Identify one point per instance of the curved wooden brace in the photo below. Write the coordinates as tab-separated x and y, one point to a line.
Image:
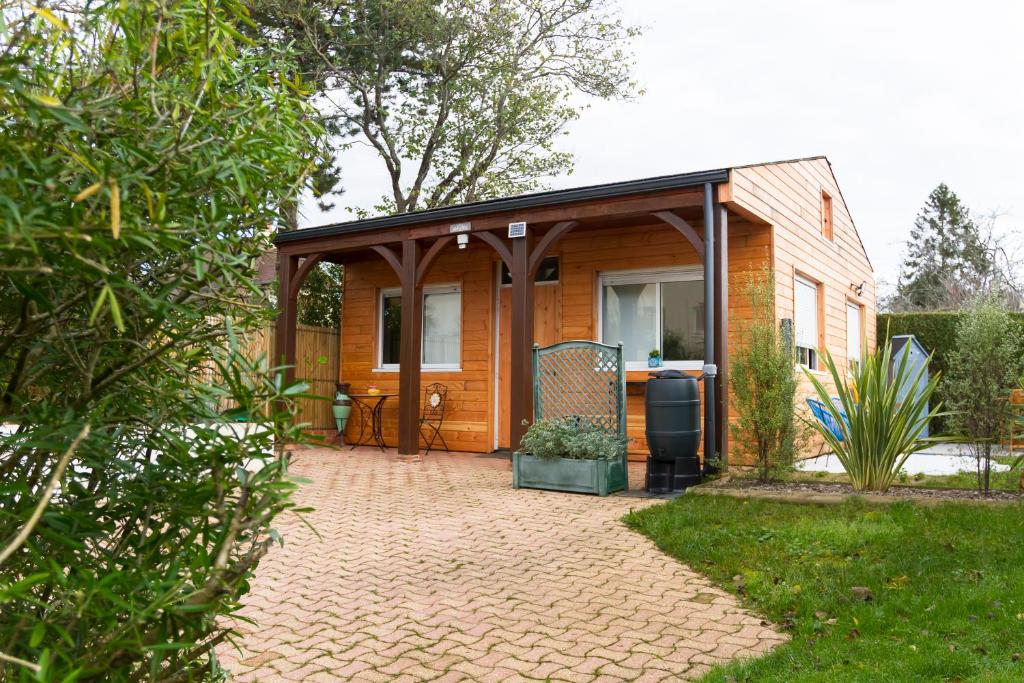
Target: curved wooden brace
685	228
550	239
498	245
300	275
430	255
391	257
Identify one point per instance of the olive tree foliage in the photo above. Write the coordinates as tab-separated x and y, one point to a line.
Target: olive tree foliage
145	148
984	368
461	100
763	381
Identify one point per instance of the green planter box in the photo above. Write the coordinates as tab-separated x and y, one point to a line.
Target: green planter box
563	474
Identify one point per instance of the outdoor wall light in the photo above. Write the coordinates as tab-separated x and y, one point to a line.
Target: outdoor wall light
463	239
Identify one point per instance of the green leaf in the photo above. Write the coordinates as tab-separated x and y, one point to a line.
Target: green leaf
50	17
38	632
97	307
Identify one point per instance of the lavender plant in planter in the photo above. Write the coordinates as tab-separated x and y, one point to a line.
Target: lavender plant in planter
564	454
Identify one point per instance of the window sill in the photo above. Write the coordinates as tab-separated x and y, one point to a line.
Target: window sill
422	369
633	366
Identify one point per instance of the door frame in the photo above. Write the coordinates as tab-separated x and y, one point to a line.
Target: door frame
498	287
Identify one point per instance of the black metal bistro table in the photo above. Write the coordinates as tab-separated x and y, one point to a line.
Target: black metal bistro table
370	407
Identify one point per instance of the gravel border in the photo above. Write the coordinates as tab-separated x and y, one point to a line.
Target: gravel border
813	492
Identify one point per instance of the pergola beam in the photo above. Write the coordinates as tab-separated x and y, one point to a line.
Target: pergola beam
635	206
303	271
685	229
287	316
547	242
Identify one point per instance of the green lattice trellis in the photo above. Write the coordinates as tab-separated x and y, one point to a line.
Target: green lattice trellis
584	380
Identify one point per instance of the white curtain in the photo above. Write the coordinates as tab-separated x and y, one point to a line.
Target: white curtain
630	315
806	322
442	328
853	333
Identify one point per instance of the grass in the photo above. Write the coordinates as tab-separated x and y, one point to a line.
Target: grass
947	585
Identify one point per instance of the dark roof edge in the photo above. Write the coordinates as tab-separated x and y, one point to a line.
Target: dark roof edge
526	201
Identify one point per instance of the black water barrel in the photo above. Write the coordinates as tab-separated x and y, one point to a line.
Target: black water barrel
673	431
673	416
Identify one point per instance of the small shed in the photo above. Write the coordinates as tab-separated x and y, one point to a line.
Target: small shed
917	356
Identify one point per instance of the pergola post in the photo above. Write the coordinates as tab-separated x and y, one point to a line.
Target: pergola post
410	351
521	343
710	370
722	320
287	316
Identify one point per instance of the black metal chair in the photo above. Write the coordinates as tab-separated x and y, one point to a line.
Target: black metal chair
435	399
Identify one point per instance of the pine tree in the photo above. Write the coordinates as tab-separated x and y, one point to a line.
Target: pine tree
945	254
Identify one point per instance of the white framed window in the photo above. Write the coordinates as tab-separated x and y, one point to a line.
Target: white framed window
854	333
442	328
654	309
807	323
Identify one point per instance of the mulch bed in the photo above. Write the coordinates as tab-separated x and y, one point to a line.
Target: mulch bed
798	489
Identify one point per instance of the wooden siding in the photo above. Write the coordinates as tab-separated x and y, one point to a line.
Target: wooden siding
788	195
563	311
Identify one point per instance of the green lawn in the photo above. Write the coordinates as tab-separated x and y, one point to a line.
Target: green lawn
947	584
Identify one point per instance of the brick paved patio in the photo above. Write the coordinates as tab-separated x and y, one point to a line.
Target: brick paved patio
439	570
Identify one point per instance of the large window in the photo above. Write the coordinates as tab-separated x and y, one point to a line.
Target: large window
442	328
854	335
807	323
650	310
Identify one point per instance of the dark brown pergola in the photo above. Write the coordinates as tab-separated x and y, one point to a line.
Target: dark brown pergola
411	242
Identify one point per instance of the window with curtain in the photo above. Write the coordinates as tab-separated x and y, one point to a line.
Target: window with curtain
650	310
442	328
854	335
806	322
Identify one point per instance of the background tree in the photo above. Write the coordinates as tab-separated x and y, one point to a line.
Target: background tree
984	368
763	381
946	255
320	297
462	100
144	149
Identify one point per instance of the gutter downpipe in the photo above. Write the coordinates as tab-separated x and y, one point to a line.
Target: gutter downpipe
710	369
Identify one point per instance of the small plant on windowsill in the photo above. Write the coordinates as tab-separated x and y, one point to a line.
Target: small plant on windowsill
654	359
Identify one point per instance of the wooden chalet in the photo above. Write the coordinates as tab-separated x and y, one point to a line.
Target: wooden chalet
447	295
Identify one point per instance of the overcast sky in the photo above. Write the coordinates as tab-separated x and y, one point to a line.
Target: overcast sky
899	94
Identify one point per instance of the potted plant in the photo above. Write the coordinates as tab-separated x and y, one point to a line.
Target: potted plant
654	359
564	454
342	408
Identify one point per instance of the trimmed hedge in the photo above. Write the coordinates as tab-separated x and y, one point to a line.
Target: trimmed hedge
936	332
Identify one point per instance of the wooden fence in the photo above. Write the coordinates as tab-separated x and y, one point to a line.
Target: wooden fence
316	363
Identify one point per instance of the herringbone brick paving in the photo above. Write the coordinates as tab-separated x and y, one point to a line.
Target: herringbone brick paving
439	570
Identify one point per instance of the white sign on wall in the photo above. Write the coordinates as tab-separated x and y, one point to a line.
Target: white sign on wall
460	227
517	229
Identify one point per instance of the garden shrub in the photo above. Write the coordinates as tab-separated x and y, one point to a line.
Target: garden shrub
985	367
937	332
144	151
879	429
763	381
